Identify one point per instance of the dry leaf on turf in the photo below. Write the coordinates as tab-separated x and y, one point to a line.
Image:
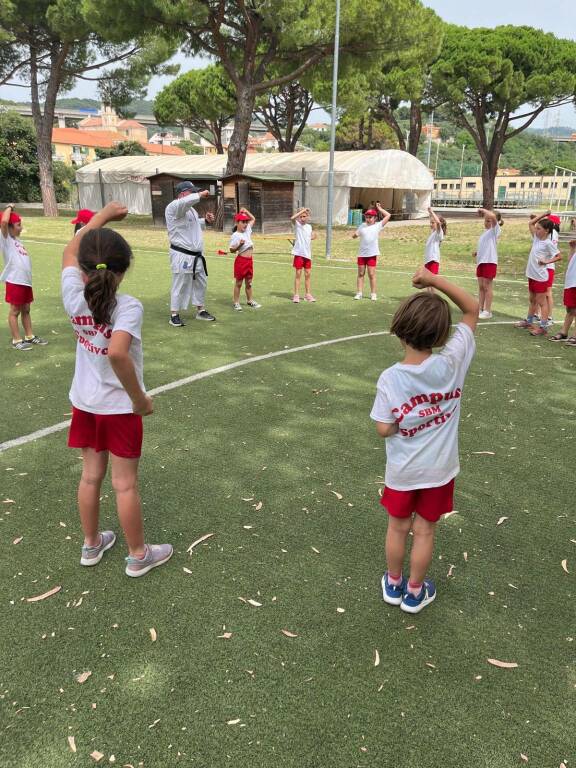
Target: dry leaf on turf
450	571
338	495
287	633
315	550
376	657
226	635
153	634
96	755
18	540
465	556
501	520
255	603
83	676
199	541
564	565
483	453
524	757
233	722
502	664
50	592
258	506
340	610
186	570
72	743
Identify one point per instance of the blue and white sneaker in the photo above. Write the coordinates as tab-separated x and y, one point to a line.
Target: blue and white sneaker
414	603
392	593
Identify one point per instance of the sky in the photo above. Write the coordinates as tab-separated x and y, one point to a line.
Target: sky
556	16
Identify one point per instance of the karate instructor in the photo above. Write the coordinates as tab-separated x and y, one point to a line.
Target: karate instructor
189	272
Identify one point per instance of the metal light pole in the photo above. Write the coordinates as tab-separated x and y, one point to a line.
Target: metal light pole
461	169
330	207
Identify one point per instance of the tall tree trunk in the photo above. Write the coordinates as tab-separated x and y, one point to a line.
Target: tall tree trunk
239	140
415	127
490	168
386	113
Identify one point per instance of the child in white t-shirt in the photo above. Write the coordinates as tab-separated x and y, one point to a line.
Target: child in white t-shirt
241	244
417	409
432	250
17	274
107	394
487	260
369	250
569	299
302	252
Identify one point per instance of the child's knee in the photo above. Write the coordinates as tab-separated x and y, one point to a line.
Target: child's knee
14	310
124	483
307	272
94	477
361	271
25	309
423	527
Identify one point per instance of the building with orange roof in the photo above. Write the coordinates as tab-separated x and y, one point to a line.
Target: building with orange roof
78	147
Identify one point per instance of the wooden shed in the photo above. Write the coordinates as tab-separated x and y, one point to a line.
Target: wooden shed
269	198
163	191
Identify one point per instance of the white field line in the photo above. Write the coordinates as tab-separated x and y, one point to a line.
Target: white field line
18	441
351	268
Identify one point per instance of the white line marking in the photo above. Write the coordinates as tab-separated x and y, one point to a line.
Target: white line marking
18	441
352	268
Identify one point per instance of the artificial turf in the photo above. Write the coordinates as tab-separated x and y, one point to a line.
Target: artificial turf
279	460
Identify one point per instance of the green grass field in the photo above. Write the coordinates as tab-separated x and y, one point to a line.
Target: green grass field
279	460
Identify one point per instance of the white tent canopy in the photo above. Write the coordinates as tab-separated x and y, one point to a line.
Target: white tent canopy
399	180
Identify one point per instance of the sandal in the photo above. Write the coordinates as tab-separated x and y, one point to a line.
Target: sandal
571	341
558	337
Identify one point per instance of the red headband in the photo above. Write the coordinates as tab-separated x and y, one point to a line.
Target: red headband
371	212
14	218
241	217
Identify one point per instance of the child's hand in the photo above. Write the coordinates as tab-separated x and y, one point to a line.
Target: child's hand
204	193
114	211
209	217
474	254
422	278
241	243
143	406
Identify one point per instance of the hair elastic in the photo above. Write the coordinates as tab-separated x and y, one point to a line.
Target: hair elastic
101	266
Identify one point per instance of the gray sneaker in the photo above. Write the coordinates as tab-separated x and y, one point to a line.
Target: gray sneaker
204	315
36	340
156	554
93	555
21	346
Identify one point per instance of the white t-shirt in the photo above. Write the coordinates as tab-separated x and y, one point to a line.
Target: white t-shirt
425	401
432	252
17	264
246	236
570	276
184	229
368	235
95	387
303	241
554	237
487	250
541	249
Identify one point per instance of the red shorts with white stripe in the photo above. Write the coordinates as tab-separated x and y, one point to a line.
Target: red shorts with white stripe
551	273
487	270
301	262
119	433
432	266
570	298
429	503
18	294
367	261
243	268
537	286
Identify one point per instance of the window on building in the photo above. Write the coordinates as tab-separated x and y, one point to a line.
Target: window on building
512	185
545	185
530	185
451	186
470	185
565	185
537	185
443	186
458	186
522	184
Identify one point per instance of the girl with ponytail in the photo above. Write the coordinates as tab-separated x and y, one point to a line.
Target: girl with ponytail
107	394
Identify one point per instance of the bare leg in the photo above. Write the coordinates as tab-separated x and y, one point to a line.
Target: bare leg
297	278
27	320
422	548
13	314
360	280
237	286
488	294
248	288
542	304
307	281
372	279
550	299
125	484
396	535
93	471
481	294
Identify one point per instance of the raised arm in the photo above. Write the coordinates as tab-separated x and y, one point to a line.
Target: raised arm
535	218
299	212
464	300
490	215
385	214
5	219
111	212
252	218
434	217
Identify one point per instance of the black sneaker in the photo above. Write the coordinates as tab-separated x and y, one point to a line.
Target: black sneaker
203	315
176	321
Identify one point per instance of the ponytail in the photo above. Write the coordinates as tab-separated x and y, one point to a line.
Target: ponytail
104	256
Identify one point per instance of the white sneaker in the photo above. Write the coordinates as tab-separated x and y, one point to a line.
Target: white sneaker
373	297
485	315
237	307
254	304
358	296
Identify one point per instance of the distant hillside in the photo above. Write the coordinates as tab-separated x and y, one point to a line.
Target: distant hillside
139	107
562	131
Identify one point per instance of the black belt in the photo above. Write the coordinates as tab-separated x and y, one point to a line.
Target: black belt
198	255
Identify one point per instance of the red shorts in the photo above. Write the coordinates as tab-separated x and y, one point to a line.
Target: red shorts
487	270
432	266
429	503
570	298
243	268
18	294
551	273
367	261
119	433
537	286
301	262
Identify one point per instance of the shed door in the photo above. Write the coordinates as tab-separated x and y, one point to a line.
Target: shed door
243	194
